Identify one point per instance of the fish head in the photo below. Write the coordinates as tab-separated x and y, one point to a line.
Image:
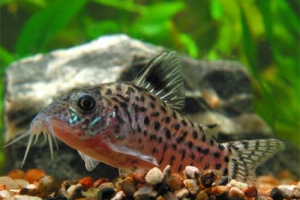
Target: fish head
79	115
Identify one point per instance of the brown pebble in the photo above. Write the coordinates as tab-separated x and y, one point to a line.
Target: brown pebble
236	194
16	174
98	182
86	182
48	185
250	191
170	196
175	181
217	190
140	177
128	187
33	175
201	196
207	178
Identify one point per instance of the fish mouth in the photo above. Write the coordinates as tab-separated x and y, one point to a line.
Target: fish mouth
41	124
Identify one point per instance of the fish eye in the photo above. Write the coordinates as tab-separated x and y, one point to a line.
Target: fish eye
86	102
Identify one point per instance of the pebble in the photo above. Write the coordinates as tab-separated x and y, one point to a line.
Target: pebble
170	196
127	186
86	182
191	185
201	196
276	194
91	193
4	194
106	193
33	175
25	197
290	191
119	196
175	181
48	185
207	178
74	190
106	185
181	193
167	171
236	194
143	192
240	185
191	171
16	174
154	176
250	191
217	190
100	181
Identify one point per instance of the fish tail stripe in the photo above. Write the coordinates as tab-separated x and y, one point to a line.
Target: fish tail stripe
246	155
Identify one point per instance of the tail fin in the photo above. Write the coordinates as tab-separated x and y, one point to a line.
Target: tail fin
247	155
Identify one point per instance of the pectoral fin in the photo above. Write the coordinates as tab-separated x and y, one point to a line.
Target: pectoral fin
90	163
125	150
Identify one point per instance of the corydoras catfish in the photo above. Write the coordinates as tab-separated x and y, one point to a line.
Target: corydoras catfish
135	125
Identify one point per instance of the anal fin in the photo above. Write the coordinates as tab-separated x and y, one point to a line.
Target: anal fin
90	163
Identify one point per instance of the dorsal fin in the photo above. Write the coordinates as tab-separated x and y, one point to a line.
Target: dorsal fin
162	77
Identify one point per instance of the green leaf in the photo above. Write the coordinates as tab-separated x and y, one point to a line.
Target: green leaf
96	29
5	59
190	45
249	46
43	25
157	13
216	9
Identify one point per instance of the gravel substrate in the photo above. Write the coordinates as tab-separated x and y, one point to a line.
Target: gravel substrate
153	184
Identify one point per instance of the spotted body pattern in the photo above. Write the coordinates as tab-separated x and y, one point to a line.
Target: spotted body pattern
134	125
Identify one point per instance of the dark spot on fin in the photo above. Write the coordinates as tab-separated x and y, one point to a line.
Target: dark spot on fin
162	77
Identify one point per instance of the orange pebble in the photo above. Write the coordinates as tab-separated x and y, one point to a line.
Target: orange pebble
16	174
33	175
2	187
86	182
98	182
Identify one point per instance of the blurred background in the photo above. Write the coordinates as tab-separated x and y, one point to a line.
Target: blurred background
264	35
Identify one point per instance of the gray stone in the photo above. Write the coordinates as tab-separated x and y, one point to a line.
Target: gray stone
217	92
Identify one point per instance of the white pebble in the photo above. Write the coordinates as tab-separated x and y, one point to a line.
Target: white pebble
191	171
240	185
119	196
26	197
4	194
154	176
181	193
191	185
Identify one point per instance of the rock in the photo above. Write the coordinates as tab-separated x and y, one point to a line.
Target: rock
181	193
16	174
154	176
25	197
143	192
216	92
34	175
290	191
191	171
217	190
4	194
191	185
236	194
106	193
250	191
201	196
175	181
86	182
128	187
240	185
276	194
119	196
207	178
